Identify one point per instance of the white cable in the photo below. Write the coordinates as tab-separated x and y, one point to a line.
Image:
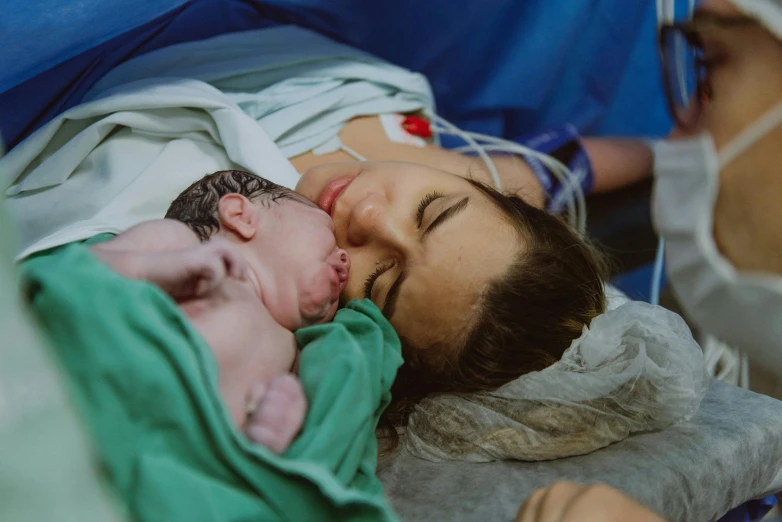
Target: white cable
574	195
575	200
657	273
467	138
352	152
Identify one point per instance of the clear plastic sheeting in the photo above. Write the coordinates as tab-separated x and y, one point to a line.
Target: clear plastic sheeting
636	368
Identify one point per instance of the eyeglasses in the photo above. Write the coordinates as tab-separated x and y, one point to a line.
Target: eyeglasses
685	71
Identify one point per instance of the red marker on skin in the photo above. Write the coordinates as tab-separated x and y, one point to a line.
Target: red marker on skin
417	126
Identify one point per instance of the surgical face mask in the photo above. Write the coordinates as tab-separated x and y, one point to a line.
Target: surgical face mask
742	309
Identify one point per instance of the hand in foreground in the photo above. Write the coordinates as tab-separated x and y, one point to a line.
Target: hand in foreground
195	271
275	412
569	502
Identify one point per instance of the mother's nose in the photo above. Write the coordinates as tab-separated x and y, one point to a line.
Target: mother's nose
369	221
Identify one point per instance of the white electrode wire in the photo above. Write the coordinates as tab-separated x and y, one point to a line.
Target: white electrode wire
574	195
576	209
657	273
453	129
352	152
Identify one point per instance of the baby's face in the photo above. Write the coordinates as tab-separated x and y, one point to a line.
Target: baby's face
310	272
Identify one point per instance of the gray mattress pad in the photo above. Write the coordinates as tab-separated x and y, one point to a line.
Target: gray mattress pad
730	452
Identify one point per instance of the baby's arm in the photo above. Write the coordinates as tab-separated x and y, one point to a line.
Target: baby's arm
254	356
168	254
153	236
165	252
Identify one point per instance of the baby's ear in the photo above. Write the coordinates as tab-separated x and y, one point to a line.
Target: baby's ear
239	215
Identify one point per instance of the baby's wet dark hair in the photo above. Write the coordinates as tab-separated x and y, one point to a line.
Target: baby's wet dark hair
197	205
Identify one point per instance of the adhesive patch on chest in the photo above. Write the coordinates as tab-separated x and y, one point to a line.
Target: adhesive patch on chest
392	125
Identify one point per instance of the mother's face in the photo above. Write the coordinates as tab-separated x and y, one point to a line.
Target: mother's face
423	243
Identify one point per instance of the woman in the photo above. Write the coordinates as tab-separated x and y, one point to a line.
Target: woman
716	204
481	287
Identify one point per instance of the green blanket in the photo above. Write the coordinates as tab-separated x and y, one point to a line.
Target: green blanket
147	384
47	470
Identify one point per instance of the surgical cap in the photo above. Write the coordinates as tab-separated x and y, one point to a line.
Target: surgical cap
767	12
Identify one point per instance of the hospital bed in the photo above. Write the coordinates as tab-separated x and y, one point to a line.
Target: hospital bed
729	453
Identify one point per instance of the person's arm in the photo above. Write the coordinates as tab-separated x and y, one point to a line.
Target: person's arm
166	253
618	162
152	236
569	502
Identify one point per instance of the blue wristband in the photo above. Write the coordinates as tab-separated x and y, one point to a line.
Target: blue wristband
565	145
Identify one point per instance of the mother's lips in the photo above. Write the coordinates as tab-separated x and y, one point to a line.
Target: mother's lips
332	191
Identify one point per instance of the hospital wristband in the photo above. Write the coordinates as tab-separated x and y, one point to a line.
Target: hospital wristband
563	144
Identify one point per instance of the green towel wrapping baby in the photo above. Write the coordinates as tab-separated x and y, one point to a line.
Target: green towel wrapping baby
149	386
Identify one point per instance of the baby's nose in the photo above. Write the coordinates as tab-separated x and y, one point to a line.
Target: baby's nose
342	264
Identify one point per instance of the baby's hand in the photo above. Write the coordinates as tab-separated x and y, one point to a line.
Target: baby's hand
276	412
196	271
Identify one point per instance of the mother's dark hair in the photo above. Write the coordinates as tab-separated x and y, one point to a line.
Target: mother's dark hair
526	318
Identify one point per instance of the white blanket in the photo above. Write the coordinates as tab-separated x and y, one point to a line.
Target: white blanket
157	123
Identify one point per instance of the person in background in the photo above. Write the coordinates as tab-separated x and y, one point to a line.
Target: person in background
715	203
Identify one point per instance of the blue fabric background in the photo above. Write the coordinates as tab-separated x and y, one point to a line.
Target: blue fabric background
503	67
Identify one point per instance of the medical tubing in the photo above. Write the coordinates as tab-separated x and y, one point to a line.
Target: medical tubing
657	273
576	209
560	171
575	200
453	129
352	152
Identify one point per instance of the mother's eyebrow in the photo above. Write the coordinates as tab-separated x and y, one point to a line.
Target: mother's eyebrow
446	214
389	307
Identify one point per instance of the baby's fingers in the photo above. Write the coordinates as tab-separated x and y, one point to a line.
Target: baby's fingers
234	263
280	415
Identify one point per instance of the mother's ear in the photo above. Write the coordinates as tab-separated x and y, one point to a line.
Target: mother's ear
238	215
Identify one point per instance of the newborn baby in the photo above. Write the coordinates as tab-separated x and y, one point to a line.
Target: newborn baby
251	271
